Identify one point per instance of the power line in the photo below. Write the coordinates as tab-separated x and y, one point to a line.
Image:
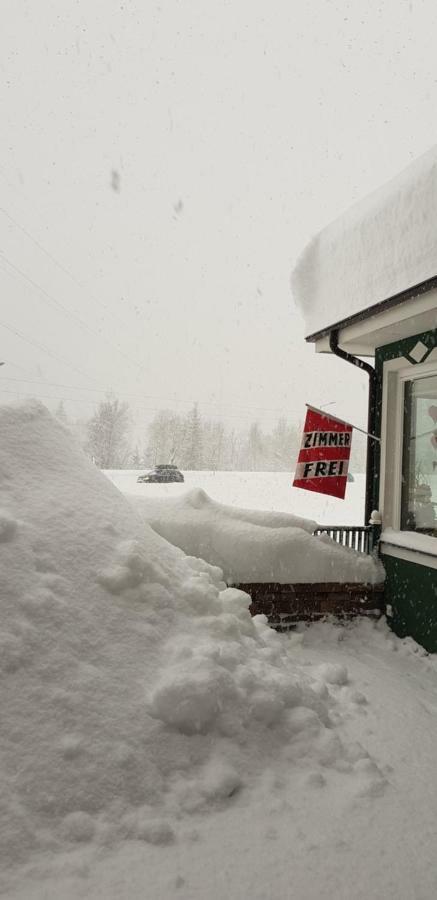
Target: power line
39	245
203	403
128	357
44	349
93	403
51	299
64	399
57	303
17	366
56	262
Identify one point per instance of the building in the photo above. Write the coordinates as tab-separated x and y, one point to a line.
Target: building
367	286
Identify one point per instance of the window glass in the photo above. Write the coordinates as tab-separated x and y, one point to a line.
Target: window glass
419	460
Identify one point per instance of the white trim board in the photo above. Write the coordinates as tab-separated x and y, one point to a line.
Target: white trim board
414	316
411	540
413	556
395	373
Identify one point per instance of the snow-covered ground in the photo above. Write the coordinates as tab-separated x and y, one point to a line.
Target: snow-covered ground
256	490
158	743
346	811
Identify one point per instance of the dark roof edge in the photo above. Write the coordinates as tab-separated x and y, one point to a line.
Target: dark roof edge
396	300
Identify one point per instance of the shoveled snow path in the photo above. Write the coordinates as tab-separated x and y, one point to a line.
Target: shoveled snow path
304	833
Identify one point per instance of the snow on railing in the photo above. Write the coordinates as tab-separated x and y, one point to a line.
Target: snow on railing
357	537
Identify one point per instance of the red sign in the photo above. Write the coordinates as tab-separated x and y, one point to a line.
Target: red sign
323	460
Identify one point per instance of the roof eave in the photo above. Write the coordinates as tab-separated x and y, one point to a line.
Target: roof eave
415	291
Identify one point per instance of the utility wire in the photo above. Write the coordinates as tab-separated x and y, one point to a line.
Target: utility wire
35	241
94	403
44	349
51	299
203	403
64	399
87	328
57	263
17	366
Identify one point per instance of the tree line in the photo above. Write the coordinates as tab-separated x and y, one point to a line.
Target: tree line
189	440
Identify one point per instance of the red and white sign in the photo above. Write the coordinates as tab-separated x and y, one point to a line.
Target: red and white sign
323	460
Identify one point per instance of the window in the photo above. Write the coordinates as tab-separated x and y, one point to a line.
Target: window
419	456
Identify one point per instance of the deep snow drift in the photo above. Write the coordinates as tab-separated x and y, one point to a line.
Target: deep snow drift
383	245
254	546
136	689
158	743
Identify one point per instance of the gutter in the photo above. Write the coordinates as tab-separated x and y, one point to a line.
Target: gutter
371	311
371	410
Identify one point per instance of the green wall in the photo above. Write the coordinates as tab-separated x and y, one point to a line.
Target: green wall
410	589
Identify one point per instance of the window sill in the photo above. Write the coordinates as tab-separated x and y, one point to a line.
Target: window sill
409	545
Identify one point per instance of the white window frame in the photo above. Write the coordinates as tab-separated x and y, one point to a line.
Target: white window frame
418	548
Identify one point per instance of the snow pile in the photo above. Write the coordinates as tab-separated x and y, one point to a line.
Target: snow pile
254	546
321	819
383	245
254	490
136	688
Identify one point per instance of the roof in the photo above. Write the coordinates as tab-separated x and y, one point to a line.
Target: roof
378	256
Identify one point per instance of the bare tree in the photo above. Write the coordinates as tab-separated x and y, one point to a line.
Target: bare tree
61	414
108	433
284	446
136	460
255	446
165	436
193	440
213	439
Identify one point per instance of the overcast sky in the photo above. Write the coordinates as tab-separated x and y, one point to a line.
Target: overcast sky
163	164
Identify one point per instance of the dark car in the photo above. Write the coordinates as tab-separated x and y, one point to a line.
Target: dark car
161	474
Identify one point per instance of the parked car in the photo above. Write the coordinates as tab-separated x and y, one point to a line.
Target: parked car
160	474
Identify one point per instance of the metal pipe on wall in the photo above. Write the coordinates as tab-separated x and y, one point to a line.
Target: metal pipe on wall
366	367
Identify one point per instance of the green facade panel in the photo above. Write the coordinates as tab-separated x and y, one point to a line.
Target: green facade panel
410	588
411	592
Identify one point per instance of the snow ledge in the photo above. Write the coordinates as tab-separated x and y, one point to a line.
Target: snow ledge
419	548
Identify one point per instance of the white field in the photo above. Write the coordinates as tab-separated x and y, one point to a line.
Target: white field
256	490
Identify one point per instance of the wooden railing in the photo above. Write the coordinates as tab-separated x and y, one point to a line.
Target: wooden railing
357	537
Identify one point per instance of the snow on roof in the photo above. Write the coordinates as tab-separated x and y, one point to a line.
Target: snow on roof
384	245
136	687
254	546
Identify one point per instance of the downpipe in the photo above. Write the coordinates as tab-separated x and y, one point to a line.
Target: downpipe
371	410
